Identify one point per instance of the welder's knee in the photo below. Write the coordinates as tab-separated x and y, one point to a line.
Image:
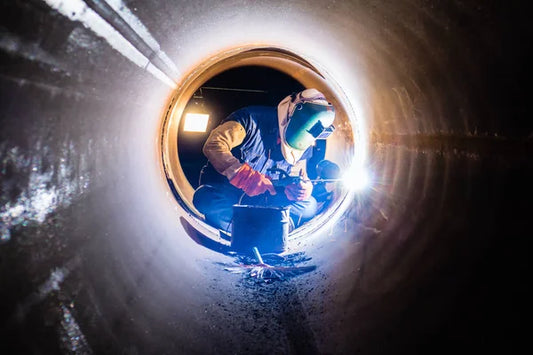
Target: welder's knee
302	211
310	208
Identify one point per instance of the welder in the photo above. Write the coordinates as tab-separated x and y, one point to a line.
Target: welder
249	149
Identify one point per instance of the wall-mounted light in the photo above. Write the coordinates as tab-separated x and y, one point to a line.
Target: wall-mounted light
195	122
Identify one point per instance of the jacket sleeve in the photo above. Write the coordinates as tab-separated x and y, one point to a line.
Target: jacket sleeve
218	147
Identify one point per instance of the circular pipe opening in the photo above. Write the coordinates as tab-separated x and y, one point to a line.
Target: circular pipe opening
342	146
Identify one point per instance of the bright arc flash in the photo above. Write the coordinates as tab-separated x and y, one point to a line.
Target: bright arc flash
196	122
356	179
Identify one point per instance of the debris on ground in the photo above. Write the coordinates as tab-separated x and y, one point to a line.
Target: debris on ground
268	268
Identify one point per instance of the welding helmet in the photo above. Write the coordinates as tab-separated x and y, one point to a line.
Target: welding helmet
303	118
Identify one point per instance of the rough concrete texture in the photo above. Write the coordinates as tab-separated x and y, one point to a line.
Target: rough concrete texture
432	259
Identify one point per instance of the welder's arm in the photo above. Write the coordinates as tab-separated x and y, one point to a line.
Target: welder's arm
218	147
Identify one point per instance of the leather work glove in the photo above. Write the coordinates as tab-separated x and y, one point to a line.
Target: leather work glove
300	191
252	182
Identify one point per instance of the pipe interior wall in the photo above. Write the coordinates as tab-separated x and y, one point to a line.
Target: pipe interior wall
431	259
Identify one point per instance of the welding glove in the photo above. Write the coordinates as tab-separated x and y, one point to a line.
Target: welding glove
300	191
252	182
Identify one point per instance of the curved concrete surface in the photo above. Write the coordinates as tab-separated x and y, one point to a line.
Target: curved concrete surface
431	259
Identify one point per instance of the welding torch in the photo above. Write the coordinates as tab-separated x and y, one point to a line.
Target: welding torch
287	179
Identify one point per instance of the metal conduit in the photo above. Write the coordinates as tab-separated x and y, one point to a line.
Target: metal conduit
431	259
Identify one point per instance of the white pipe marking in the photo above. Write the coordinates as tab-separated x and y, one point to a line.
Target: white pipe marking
134	22
77	10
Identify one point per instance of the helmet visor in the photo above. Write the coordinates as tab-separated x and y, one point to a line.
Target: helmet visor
308	122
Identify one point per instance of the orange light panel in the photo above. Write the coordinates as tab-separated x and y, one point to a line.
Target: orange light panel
195	122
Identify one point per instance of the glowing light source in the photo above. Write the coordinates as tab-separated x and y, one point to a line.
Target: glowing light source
356	179
195	122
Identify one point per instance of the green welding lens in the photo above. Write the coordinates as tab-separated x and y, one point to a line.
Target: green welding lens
305	123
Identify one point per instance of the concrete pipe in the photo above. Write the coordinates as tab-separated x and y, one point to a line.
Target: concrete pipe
96	250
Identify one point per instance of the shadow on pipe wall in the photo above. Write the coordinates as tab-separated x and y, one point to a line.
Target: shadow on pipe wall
431	259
